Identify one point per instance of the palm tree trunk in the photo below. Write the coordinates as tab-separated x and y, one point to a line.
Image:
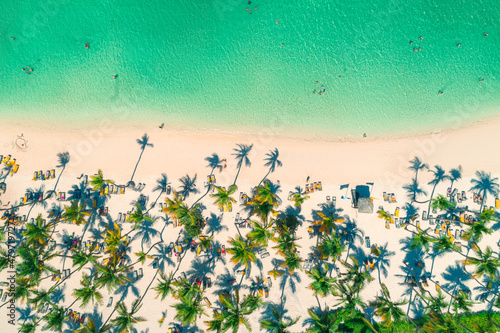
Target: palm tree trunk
154	203
147	289
267	174
237	174
60	174
430	200
131	178
482	202
319	303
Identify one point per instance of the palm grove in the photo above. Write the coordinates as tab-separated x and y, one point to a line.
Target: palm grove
42	253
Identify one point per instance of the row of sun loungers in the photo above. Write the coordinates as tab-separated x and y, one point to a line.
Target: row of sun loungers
140	187
311	187
112	189
39	175
137	274
8	161
389	197
331	201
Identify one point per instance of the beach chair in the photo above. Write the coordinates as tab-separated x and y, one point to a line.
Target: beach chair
264	255
94	203
393	198
53	174
385	196
387	225
141	274
6	159
397	223
106	190
464	196
230	207
110	302
396	212
111	189
328	200
367	241
307	189
448	192
497	203
119	217
14	169
122	189
320	186
334	201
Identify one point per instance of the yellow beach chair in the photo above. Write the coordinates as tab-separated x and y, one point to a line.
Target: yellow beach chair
14	169
6	159
53	173
438	287
207	302
497	203
261	293
387	225
12	162
396	212
106	191
198	250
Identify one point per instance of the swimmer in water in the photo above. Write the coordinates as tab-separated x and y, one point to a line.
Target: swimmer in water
114	76
485	34
420	49
12	38
459	44
415	50
481	80
441	92
411	42
314	91
420	37
87	45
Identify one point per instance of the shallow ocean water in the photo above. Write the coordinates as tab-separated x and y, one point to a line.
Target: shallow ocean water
212	65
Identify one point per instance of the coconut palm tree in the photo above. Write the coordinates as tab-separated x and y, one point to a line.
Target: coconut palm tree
38	232
298	197
439	176
420	240
89	326
241	154
186	288
272	162
485	263
455	174
322	284
114	239
165	285
223	198
442	204
216	323
75	213
162	185
417	165
277	323
235	312
382	260
111	277
355	275
188	186
241	251
462	302
97	181
143	143
382	214
476	231
175	206
125	320
138	216
414	190
292	261
29	327
322	321
286	243
261	233
390	311
63	160
444	244
214	162
89	292
267	193
189	309
485	184
34	261
330	247
55	319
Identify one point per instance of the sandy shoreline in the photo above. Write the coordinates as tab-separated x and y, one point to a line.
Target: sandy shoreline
384	162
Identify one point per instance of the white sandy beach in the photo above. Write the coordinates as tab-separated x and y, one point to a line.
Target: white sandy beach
384	162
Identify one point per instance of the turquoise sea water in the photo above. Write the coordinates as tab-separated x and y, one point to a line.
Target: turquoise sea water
210	64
